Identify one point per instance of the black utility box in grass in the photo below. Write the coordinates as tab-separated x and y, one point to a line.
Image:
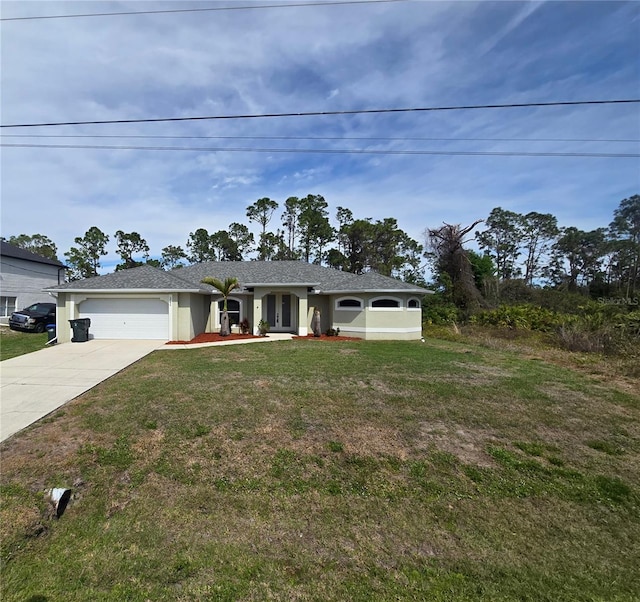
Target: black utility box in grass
80	330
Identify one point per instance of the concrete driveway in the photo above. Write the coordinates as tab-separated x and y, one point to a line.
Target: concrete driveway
35	384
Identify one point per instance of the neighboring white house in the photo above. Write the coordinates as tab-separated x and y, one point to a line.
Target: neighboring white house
23	276
149	303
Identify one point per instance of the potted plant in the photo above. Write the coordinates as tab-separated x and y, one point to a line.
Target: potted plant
263	328
245	328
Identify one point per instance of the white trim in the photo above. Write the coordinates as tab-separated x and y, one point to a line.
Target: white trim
5	305
379	298
125	291
217	301
294	309
122	317
167	298
360	291
349	298
365	329
409	300
280	284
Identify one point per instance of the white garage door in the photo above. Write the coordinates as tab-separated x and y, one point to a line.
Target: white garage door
126	318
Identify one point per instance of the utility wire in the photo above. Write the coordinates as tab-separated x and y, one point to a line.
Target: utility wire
326	113
199	10
361	138
323	151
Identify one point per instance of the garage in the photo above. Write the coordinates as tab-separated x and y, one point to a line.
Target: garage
113	318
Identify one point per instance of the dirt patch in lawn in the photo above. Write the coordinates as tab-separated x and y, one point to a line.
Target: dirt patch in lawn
468	445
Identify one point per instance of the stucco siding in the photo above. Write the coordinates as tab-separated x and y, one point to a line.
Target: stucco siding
323	303
69	307
213	324
368	306
63	330
378	323
193	314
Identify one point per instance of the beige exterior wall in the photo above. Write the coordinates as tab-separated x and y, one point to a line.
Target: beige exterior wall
257	313
246	311
63	330
351	321
402	323
299	307
188	312
191	314
303	310
181	317
323	304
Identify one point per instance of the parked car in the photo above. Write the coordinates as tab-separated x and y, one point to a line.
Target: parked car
34	318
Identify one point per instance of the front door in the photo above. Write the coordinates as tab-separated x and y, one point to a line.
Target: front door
280	312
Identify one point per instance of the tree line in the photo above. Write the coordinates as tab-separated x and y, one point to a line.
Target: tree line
304	233
529	249
532	250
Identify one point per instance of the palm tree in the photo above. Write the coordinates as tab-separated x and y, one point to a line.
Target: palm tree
225	289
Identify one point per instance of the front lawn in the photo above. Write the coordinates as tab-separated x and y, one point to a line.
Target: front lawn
13	343
306	470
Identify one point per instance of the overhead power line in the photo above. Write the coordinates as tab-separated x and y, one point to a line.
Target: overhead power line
324	151
329	113
361	138
199	10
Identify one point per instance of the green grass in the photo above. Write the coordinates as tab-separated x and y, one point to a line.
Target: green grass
13	343
335	471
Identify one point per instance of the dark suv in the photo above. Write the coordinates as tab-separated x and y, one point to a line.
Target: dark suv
34	318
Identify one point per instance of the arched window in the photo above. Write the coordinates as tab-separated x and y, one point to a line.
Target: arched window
386	303
413	304
349	303
233	309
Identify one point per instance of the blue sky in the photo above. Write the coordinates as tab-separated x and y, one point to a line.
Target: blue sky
321	58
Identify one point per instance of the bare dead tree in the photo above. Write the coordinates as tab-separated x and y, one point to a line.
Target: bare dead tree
446	247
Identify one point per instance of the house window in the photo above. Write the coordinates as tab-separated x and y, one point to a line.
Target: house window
385	303
349	303
233	309
7	306
413	304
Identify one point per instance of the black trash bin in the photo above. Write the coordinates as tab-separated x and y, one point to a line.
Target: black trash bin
51	333
80	330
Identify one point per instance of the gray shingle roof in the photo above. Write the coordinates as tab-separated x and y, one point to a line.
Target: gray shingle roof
7	250
145	277
248	273
253	273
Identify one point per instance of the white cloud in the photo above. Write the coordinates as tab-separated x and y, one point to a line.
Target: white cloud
302	59
528	8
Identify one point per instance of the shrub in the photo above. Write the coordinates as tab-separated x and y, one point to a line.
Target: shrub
515	291
601	328
629	323
530	317
577	336
560	301
440	313
263	327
